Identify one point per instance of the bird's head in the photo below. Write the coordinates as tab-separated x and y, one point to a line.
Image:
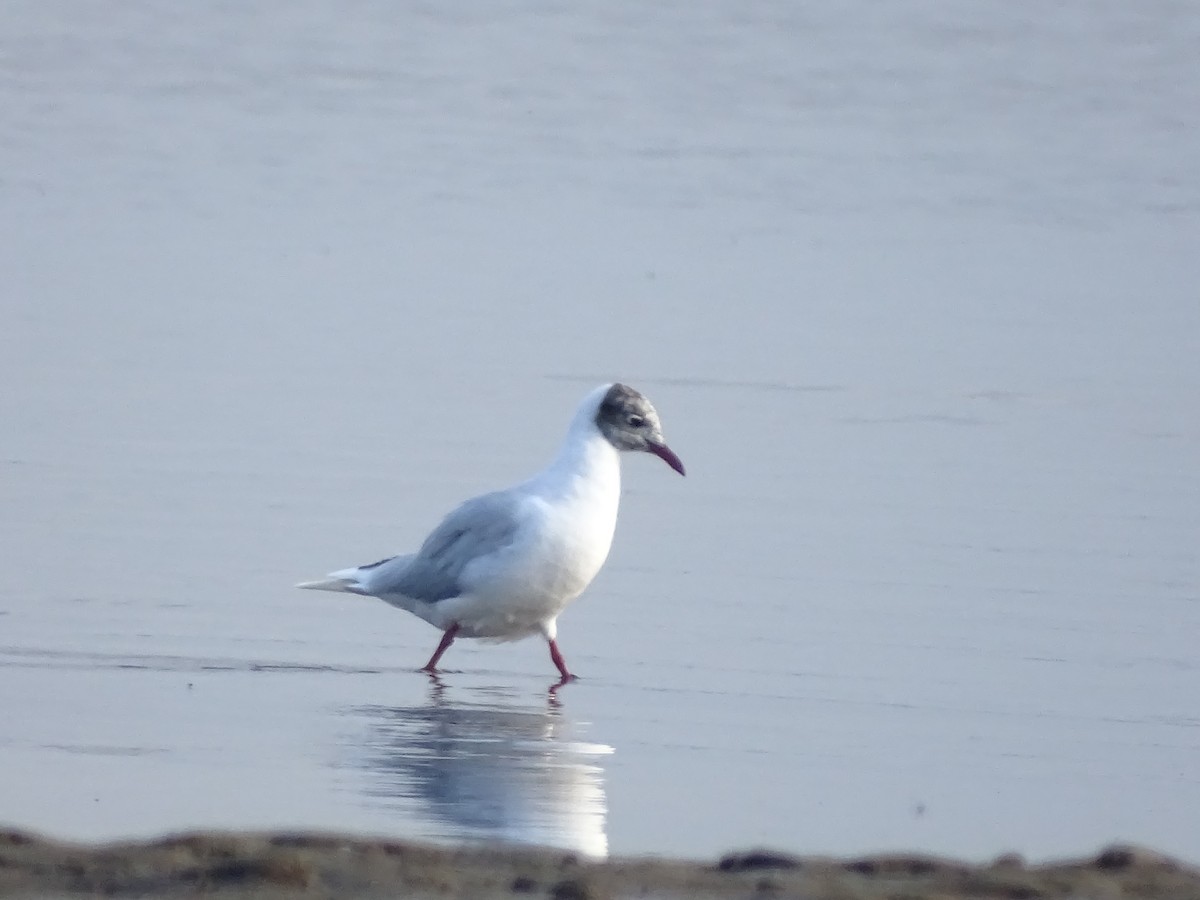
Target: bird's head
629	422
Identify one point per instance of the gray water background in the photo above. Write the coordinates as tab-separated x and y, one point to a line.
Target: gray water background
913	285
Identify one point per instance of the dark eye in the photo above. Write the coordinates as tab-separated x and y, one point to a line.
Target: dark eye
636	421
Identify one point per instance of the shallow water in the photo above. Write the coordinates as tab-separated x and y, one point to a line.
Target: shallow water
914	296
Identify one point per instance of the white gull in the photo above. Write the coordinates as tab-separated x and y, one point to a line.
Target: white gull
503	565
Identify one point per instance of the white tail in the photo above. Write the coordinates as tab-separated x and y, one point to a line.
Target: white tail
346	581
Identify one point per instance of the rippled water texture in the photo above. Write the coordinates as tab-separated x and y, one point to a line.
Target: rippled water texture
913	287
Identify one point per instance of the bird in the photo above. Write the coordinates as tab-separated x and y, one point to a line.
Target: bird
502	566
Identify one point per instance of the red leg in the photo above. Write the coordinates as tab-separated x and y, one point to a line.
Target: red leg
560	662
447	640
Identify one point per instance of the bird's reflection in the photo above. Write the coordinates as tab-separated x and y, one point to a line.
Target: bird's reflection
486	767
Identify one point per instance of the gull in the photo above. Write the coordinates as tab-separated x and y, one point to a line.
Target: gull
503	565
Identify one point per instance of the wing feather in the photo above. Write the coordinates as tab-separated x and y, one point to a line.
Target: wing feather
478	528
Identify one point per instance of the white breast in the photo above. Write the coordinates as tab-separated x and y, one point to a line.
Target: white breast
570	515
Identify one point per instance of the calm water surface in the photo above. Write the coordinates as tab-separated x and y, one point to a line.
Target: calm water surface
915	295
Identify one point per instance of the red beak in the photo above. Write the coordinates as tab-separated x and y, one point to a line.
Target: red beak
667	455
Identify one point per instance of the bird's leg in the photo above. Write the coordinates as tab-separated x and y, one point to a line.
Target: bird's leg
447	640
560	662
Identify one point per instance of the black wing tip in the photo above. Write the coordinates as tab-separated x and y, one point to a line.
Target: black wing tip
376	565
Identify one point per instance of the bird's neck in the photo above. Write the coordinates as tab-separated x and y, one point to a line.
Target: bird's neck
586	463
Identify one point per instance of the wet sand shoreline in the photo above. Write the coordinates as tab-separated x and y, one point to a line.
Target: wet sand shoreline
267	865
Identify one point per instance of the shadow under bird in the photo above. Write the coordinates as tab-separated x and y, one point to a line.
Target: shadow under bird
503	565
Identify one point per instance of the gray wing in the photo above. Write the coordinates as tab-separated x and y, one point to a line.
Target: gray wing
481	526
